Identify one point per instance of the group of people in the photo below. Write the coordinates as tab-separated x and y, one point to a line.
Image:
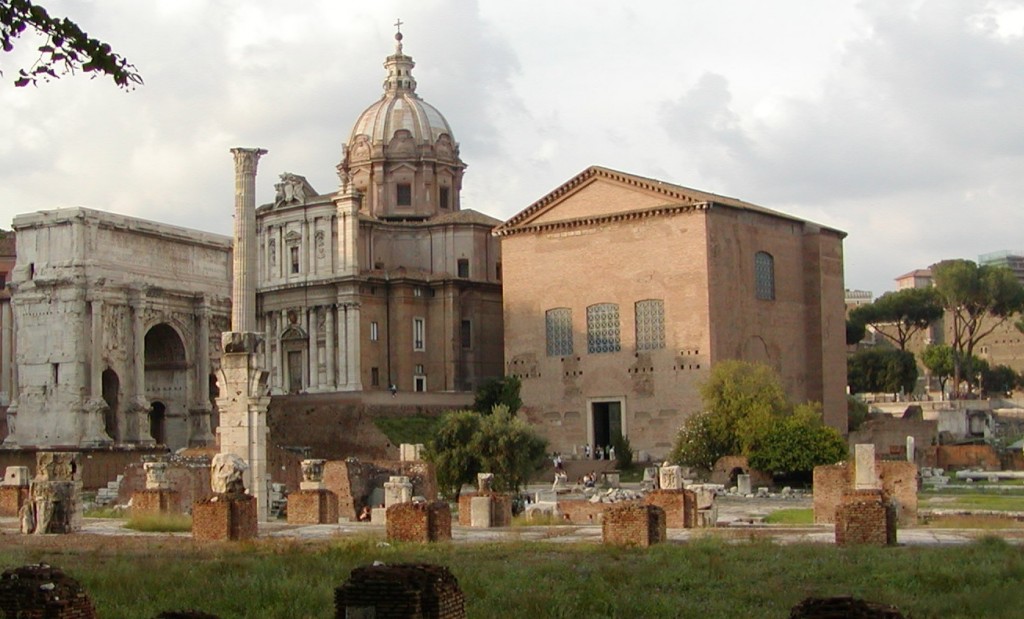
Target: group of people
600	453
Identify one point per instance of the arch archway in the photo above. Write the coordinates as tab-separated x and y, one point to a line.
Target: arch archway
167	385
112	396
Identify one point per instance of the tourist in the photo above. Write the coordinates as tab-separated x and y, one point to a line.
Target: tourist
365	514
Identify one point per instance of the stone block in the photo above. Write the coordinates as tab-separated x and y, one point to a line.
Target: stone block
312	507
419	522
633	525
865	477
58	466
743	485
379	515
400	590
53	507
17	476
670	478
225	517
410	452
679	507
480	512
155	502
397	490
501	508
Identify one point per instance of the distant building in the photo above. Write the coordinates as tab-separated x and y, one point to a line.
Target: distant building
621	292
1013	260
918	278
855	298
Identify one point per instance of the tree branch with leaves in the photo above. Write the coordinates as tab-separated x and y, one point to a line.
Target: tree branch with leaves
67	48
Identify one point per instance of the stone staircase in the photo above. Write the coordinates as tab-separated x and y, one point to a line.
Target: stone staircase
108	495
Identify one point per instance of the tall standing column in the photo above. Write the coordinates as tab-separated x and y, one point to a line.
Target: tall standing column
314	354
352	351
342	349
243	288
12	409
329	337
95	408
6	352
138	409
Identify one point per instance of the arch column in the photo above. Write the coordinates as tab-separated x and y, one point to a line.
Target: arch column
138	408
201	427
95	407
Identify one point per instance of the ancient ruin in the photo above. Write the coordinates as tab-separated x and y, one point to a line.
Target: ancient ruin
230	514
54	495
400	590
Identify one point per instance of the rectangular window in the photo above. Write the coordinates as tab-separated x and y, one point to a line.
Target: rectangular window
294	252
463	265
558	325
418	331
375	377
603	328
418	369
444	199
403	192
650	324
466	334
374	331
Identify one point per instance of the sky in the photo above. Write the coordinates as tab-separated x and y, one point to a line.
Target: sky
900	123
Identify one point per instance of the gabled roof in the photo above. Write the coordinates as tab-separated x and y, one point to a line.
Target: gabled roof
676	198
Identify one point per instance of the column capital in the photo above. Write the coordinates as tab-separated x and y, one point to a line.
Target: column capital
246	159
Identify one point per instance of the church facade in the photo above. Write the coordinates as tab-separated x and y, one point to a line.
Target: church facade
621	292
388	282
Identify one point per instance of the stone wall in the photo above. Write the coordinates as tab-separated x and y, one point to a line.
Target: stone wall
419	522
633	525
865	517
400	591
962	457
582	511
830	481
680	507
353	481
897	479
99	466
156	502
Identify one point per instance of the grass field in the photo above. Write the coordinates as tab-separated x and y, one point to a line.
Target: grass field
997	501
705	578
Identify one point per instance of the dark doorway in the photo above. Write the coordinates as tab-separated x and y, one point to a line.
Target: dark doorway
157	425
607	422
111	395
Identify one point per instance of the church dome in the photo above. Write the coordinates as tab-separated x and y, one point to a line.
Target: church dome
400	107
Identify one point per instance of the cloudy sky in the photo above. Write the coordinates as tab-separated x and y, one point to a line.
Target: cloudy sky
901	123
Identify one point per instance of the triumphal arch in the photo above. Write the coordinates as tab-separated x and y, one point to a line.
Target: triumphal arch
118	323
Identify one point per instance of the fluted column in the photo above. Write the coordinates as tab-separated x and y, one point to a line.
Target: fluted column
352	351
314	354
138	409
243	291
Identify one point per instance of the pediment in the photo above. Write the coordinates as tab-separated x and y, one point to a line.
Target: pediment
598	193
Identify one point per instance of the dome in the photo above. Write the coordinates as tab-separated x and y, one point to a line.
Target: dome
400	107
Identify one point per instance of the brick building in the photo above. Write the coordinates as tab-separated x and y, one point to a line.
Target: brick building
621	292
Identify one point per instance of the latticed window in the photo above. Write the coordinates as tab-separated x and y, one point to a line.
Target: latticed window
650	324
558	324
764	276
603	328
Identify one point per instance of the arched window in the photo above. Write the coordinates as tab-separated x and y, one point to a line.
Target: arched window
650	324
764	276
603	328
558	327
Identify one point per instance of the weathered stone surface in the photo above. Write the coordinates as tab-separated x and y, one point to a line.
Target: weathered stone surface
670	478
226	474
865	477
400	590
155	501
633	525
312	507
45	592
225	518
480	512
397	490
16	476
419	522
156	475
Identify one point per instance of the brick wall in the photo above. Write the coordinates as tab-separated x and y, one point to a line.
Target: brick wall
312	507
633	525
400	591
899	482
680	507
864	517
501	508
419	522
830	481
353	481
582	511
156	502
963	457
224	517
726	465
11	500
98	466
45	592
188	477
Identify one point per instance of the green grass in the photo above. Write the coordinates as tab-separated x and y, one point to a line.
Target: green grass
791	516
413	429
160	523
704	578
975	500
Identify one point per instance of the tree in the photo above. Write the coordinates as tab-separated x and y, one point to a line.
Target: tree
978	299
856	413
899	315
855	332
697	445
67	48
498	391
938	358
878	370
451	451
508	448
999	379
797	443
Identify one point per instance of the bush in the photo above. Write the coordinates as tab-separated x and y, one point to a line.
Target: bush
623	451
